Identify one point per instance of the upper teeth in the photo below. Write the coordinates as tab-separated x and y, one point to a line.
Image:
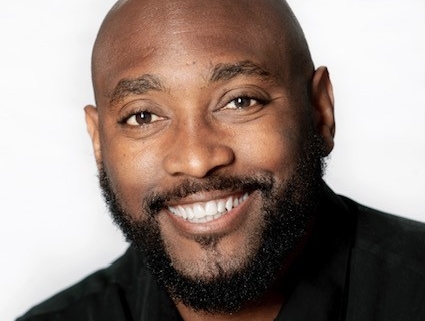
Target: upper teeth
203	212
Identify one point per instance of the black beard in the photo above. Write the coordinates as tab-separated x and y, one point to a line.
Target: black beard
287	211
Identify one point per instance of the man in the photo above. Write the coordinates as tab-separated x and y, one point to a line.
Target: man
209	133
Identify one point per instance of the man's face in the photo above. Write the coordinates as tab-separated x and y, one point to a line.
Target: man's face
202	135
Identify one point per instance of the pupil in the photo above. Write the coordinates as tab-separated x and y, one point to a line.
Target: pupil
242	102
143	117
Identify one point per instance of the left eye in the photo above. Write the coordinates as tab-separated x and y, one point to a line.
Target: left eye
241	102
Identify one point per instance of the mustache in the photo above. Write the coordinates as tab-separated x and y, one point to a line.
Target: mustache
155	201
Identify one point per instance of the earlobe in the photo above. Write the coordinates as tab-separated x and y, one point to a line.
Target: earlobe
92	123
323	103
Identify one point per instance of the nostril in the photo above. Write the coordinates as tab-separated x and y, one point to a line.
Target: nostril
198	162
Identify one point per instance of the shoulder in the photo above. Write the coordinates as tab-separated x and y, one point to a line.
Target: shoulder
390	237
87	298
71	300
387	267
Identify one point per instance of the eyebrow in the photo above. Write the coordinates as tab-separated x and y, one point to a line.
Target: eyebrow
220	72
223	72
137	86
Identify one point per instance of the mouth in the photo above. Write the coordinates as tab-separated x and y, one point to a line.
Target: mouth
203	212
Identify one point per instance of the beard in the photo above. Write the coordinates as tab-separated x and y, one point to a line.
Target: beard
287	210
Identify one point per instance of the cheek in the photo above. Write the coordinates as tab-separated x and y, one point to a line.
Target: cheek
132	167
271	145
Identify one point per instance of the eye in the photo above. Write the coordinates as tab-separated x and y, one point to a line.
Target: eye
141	118
243	102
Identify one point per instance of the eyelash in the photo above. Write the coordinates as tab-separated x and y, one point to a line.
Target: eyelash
258	101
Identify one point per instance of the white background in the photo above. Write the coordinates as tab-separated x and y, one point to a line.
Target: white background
54	227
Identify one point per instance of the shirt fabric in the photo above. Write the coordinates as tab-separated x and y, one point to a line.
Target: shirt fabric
359	265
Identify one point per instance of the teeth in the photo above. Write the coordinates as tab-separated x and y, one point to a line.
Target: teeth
221	206
190	213
207	211
181	210
229	203
211	208
199	210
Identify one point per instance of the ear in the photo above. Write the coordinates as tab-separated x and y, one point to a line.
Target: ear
92	123
323	103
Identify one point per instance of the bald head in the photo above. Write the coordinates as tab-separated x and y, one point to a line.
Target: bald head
136	29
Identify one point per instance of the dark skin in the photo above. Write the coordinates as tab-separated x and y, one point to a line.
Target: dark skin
182	93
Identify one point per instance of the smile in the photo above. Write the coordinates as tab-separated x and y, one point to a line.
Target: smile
203	212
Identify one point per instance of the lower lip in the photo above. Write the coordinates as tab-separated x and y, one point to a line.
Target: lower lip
225	223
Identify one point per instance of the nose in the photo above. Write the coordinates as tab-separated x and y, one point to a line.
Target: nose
197	151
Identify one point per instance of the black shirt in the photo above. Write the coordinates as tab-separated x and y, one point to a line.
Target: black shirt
360	264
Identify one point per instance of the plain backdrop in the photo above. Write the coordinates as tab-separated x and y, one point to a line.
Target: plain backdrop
55	228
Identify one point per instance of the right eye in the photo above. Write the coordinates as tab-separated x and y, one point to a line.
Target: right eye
141	118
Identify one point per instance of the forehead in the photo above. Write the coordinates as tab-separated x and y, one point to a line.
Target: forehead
160	36
154	17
